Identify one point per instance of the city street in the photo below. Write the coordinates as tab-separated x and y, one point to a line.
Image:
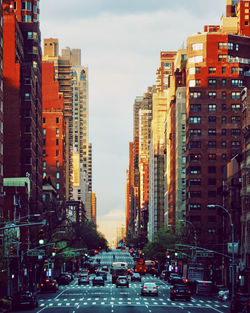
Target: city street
98	299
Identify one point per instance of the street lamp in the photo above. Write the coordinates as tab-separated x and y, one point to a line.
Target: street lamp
232	226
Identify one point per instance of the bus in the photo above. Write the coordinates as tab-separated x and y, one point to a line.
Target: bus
118	269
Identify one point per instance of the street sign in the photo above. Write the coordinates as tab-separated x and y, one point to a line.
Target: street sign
201	254
35	252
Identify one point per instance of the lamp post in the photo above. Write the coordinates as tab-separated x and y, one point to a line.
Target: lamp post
232	226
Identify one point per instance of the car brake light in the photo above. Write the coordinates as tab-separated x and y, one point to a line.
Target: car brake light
41	285
53	284
189	291
79	278
145	287
118	279
47	280
174	291
154	287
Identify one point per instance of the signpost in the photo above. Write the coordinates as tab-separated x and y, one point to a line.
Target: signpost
202	254
35	252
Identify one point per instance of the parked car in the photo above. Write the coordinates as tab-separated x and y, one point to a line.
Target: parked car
83	280
24	300
105	268
135	277
98	281
63	279
48	285
180	292
122	281
150	289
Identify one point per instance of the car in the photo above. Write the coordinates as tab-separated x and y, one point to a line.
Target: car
172	277
105	268
164	275
24	300
101	273
122	281
150	289
98	281
180	291
63	279
48	285
83	280
135	277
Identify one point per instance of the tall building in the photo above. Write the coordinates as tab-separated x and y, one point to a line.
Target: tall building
53	131
1	114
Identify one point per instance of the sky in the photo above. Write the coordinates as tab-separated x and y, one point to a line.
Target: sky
120	41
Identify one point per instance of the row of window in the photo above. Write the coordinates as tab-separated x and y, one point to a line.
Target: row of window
196	107
213	144
194	170
57	120
44	131
212	119
44	142
234	132
194	157
45	164
198	194
235	95
213	70
232	59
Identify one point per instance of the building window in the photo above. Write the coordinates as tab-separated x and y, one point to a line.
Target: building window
57	175
234	70
211	132
194	144
223	107
44	131
44	120
57	142
57	152
194	157
211	169
236	107
57	186
211	157
27	96
195	132
222	57
235	119
44	142
212	95
57	131
195	108
194	206
211	119
223	144
235	144
194	182
195	120
57	164
197	46
235	132
212	107
222	45
223	120
212	70
195	95
57	120
223	70
211	194
237	82
224	156
211	181
194	170
212	82
223	95
211	144
44	164
223	82
230	46
194	194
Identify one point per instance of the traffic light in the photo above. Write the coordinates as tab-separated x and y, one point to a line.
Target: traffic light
11	251
41	236
54	251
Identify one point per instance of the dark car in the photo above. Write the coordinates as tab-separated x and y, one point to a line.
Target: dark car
135	277
122	281
105	268
83	280
24	300
63	279
174	279
240	303
98	281
101	273
180	292
48	285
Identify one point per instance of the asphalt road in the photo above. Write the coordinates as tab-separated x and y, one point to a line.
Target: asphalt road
109	299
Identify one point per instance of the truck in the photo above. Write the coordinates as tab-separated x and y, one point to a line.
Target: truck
118	269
